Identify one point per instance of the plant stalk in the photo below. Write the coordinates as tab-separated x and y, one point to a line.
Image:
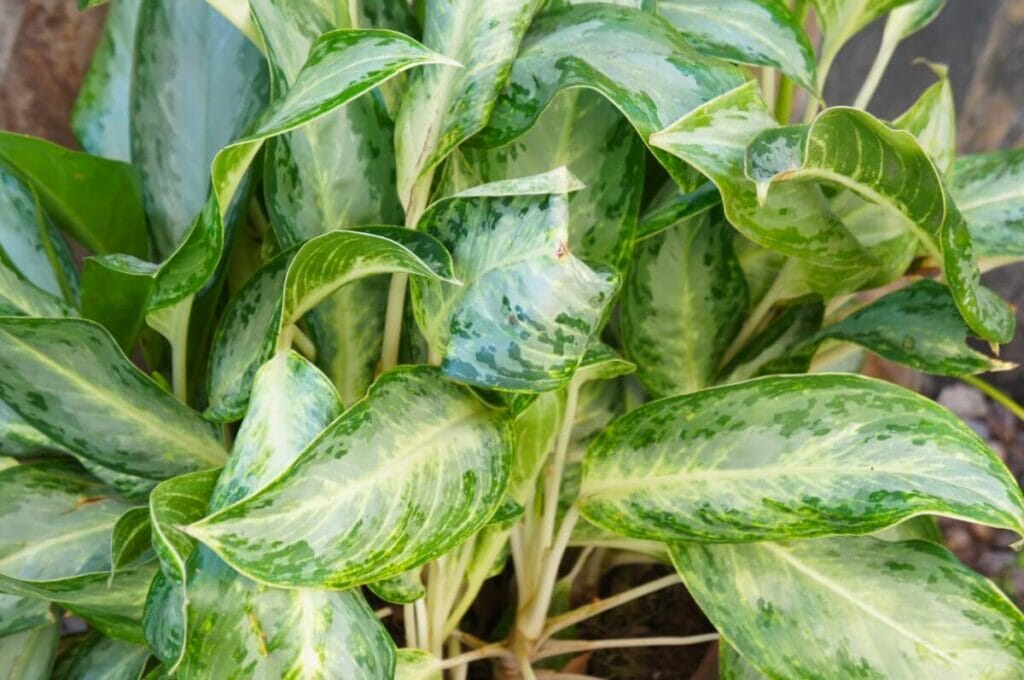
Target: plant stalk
784	100
995	394
559	647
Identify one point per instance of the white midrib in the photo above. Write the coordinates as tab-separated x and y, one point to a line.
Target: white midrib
38	546
860	604
988	200
124	407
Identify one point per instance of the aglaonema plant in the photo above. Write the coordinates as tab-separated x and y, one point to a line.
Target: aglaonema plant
383	300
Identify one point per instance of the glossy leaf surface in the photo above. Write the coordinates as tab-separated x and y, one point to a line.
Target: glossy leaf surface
791	456
527	307
424	465
602	47
909	609
989	190
68	378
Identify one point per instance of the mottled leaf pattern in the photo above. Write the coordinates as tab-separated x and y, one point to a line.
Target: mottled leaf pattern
601	47
684	300
100	658
989	190
778	603
760	32
417	444
68	378
793	456
527	307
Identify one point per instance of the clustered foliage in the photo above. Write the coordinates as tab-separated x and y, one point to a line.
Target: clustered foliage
392	298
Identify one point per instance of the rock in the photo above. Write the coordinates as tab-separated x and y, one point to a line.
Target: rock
964	401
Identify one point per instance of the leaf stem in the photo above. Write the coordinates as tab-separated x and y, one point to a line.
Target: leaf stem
784	100
179	351
585	612
559	647
757	316
878	67
491	651
995	394
556	470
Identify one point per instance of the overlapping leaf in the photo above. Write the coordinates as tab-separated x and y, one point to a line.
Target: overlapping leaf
684	300
306	632
907	609
989	190
792	456
68	378
527	307
443	107
101	658
402	477
603	47
888	166
262	315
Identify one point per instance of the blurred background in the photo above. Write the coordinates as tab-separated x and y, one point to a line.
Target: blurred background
45	47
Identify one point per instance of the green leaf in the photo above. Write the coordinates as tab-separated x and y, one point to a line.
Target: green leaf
439	455
114	610
29	655
310	188
527	308
796	222
19	439
790	609
847	147
175	503
98	201
29	244
602	47
115	293
342	65
582	131
757	32
732	666
131	540
793	326
102	109
405	588
788	457
444	107
57	521
683	302
245	629
840	20
67	378
196	84
100	658
932	120
989	190
261	316
918	326
672	205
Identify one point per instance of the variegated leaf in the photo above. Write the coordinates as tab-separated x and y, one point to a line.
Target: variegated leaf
439	456
29	244
854	607
342	66
918	326
683	302
272	632
102	109
196	84
840	20
584	132
796	222
527	307
68	378
101	658
443	107
989	190
311	188
788	457
96	200
263	314
131	540
793	326
758	32
29	655
890	168
602	47
174	503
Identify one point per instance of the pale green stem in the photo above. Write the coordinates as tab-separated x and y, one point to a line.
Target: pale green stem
303	343
399	282
995	394
768	85
422	624
560	647
784	100
409	621
179	355
491	651
813	102
556	470
585	612
867	90
531	624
